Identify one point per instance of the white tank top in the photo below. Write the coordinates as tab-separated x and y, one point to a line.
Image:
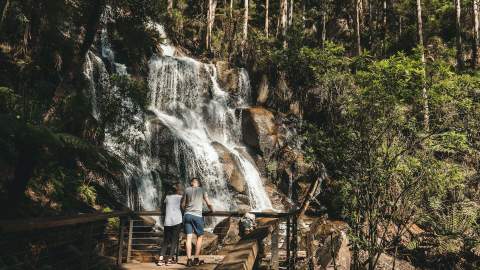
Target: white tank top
173	215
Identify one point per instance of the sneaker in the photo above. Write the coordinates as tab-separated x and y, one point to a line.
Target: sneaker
189	263
197	261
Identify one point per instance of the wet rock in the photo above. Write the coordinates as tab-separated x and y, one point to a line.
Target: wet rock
232	171
259	130
242	199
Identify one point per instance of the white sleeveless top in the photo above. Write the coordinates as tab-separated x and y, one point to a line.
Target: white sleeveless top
173	215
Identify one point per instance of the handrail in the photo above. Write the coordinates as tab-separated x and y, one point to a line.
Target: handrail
19	225
225	214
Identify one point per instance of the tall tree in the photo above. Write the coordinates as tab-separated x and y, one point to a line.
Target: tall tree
324	25
358	48
245	23
212	5
385	27
475	41
290	13
426	114
458	25
170	7
282	21
267	3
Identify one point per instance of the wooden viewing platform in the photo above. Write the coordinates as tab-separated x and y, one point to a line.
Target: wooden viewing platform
87	241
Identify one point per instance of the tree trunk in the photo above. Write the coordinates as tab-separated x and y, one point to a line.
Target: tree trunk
358	48
267	2
475	42
212	5
231	8
304	18
4	12
91	30
73	71
426	114
290	13
400	27
370	24
385	28
170	7
312	190
324	25
282	23
245	23
458	42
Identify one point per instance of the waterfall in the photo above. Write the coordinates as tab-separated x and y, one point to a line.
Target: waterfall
186	97
186	106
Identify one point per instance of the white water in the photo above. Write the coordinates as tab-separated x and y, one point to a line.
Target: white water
187	99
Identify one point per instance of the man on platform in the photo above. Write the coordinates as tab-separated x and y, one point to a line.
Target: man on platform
193	222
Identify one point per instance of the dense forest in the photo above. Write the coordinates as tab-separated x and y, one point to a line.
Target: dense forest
384	97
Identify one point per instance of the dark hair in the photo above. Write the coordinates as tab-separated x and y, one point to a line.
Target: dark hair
198	180
170	189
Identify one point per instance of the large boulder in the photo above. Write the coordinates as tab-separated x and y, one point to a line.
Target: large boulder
259	130
386	262
209	244
228	231
327	243
232	171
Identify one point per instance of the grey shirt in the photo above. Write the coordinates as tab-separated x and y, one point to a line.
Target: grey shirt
194	200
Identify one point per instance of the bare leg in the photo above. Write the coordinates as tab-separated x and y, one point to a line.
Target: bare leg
189	245
198	246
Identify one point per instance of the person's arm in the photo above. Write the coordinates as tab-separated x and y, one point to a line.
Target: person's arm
207	201
184	201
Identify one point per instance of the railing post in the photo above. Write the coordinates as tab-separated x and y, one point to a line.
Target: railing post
86	247
288	242
294	245
274	247
120	242
130	233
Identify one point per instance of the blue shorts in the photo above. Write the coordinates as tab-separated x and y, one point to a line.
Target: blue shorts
192	224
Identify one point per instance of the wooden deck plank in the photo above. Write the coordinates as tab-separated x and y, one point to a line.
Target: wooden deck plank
211	261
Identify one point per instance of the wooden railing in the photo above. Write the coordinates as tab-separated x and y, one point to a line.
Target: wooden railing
87	240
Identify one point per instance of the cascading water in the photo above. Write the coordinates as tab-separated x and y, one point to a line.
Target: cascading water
187	101
186	97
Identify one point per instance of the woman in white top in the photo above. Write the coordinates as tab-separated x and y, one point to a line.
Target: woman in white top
172	224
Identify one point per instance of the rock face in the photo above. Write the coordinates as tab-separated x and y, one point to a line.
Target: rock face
263	90
327	243
228	231
227	76
231	169
259	130
385	262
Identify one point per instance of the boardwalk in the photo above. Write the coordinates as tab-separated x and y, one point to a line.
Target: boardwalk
211	261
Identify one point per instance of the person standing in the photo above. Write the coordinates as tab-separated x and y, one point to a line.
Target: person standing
172	225
193	222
